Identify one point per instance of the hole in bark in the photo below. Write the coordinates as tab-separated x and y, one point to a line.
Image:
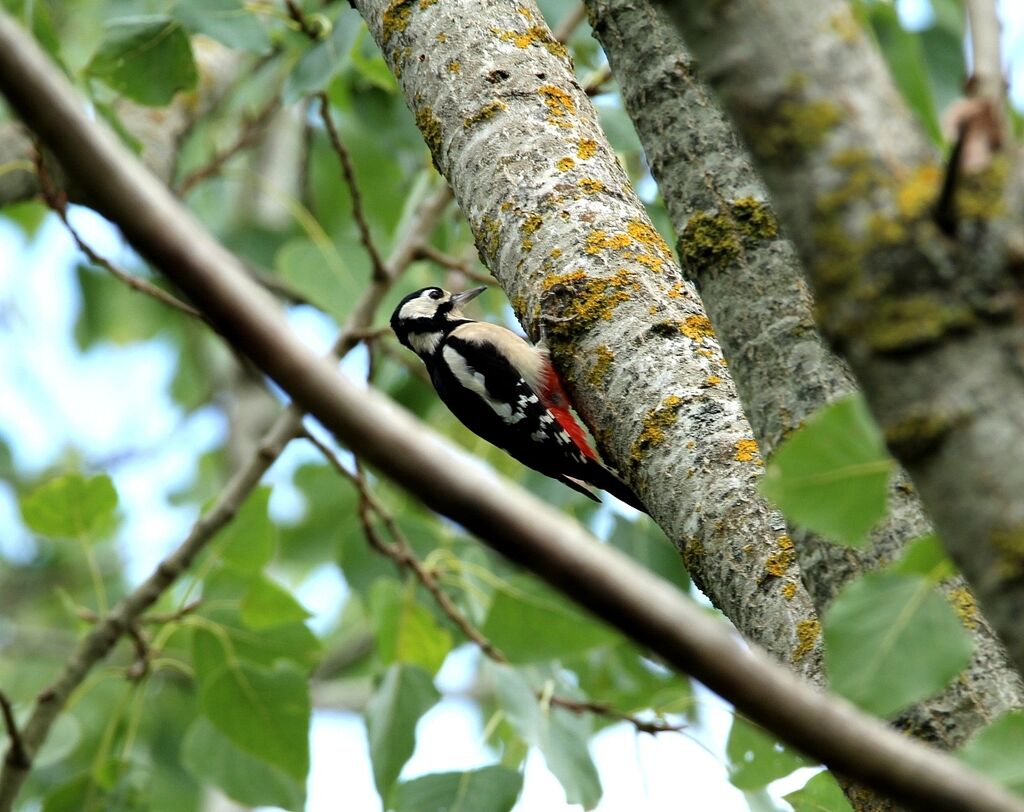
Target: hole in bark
499	75
541	76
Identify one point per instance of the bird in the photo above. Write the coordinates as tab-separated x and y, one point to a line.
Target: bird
502	388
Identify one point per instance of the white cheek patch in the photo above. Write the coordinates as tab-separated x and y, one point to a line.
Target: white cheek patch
422	307
475	382
425	343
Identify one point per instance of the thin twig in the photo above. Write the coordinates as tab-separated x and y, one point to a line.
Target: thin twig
427	251
57	201
595	84
379	271
140	668
305	26
601	709
987	75
251	128
569	23
102	639
17	753
400	551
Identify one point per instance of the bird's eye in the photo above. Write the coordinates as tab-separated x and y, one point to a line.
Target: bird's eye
435	294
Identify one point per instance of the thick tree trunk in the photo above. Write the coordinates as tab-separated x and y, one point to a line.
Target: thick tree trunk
558	224
762	313
927	316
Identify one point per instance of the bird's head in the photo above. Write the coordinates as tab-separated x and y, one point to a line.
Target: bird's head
425	316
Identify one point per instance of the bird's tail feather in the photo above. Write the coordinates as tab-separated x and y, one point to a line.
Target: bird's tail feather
606	480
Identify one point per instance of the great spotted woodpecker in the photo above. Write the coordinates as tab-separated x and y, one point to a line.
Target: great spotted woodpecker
502	388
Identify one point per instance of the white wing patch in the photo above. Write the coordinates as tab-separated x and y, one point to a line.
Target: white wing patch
528	360
475	382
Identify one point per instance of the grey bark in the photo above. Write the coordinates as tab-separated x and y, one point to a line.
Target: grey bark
927	316
762	312
557	222
636	601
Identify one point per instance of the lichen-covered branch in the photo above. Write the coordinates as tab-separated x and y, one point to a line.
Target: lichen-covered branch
929	321
751	282
559	226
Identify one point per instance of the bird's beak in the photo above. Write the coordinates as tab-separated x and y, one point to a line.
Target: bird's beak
459	299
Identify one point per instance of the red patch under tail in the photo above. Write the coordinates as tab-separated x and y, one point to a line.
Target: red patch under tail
557	402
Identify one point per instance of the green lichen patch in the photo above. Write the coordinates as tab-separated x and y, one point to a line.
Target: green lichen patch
911	322
398	14
487	233
599	371
965	606
1009	546
796	126
712	241
430	126
484	113
918	434
981	196
655	423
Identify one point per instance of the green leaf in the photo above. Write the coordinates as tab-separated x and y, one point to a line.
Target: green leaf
214	759
267	604
755	758
820	794
924	556
903	52
560	735
321	63
227	21
406	632
891	640
832	475
303	265
291	641
264	712
370	64
105	300
248	542
72	507
996	751
645	542
489	789
530	622
146	59
406	693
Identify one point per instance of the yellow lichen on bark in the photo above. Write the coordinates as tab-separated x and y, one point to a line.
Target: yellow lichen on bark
807	632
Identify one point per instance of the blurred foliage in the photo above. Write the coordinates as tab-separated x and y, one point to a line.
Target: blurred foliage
234	668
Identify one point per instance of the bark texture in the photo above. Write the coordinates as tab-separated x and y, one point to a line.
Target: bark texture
753	289
928	318
557	222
